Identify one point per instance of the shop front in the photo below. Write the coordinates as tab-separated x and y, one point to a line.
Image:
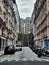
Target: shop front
3	42
3	39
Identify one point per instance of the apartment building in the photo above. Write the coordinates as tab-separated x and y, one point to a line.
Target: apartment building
16	19
27	25
3	22
41	23
28	28
8	22
22	22
31	24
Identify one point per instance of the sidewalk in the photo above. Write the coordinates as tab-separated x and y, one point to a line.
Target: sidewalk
44	57
1	52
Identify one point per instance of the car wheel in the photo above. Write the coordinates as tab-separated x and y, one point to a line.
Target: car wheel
4	52
39	55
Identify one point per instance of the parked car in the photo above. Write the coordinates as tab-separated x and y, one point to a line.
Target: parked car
43	52
31	46
18	47
35	49
9	49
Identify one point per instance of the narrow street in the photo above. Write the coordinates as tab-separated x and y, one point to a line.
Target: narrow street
25	55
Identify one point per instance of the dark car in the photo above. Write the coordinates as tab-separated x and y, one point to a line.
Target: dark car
43	52
35	49
9	49
40	52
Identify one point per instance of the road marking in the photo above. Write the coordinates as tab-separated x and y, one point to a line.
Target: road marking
2	61
23	60
45	60
27	60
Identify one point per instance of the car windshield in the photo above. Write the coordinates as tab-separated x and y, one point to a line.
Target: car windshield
10	47
17	45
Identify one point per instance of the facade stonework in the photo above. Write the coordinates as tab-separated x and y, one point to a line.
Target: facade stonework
8	22
41	22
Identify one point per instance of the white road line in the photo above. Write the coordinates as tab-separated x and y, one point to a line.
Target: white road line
2	61
24	60
27	60
45	60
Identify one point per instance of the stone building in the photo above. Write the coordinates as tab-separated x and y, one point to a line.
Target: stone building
41	23
3	22
25	30
8	22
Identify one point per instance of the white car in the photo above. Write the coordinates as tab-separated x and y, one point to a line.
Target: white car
18	47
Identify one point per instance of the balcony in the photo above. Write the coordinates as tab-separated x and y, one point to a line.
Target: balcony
9	31
41	21
6	4
43	27
37	10
11	36
4	32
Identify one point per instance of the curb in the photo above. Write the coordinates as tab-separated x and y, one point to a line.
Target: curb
1	55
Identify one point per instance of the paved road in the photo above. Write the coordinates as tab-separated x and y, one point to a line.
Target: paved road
24	63
25	55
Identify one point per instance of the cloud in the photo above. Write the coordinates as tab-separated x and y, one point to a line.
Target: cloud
25	6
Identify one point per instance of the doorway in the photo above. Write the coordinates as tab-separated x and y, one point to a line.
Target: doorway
0	43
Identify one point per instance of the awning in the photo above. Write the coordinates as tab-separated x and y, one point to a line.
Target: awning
1	20
3	38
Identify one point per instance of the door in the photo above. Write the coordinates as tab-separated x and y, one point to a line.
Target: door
0	43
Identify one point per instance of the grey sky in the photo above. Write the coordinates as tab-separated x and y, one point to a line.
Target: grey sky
25	7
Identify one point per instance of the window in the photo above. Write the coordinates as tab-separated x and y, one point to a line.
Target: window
0	8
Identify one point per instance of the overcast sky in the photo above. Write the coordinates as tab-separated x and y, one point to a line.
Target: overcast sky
25	7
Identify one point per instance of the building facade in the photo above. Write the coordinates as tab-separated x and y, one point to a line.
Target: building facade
8	22
25	25
31	24
22	22
41	23
3	22
28	25
25	30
